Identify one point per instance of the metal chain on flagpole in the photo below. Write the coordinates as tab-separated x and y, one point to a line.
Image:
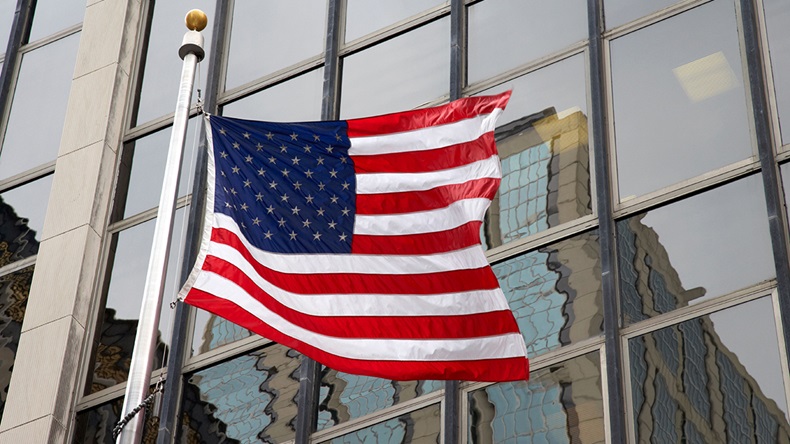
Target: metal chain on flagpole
146	404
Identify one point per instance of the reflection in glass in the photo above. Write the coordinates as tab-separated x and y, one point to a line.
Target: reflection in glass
559	404
143	170
555	292
705	379
127	267
296	100
94	426
543	143
39	107
212	331
620	12
399	74
680	108
269	36
7	9
366	16
345	397
161	66
777	22
52	16
421	426
693	250
251	398
505	34
14	290
22	211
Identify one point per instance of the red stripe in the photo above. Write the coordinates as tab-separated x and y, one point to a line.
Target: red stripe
489	370
455	281
422	118
425	200
457	238
452	156
385	327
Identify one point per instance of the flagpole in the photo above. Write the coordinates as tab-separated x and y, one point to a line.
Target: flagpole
191	52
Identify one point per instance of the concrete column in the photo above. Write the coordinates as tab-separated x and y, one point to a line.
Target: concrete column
47	372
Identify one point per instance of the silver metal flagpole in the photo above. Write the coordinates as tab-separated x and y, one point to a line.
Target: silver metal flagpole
191	52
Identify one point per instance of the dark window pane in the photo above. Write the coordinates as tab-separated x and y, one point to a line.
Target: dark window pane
345	397
143	169
127	268
398	74
705	379
14	290
52	16
504	34
619	12
696	249
542	141
212	331
7	9
555	292
22	212
269	36
562	403
297	100
777	22
680	107
418	427
94	426
161	70
39	107
251	398
366	16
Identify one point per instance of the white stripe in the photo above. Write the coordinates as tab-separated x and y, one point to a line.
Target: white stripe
452	216
429	138
379	183
467	258
461	303
491	347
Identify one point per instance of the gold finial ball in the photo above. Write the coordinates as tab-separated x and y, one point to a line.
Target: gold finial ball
196	20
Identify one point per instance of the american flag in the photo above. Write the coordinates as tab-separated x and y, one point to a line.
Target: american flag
357	243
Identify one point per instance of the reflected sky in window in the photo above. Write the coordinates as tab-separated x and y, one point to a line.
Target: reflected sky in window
366	16
52	16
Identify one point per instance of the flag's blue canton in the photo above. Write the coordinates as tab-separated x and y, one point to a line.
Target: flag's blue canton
290	187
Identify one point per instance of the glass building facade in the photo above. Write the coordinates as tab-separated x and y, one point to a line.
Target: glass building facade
640	233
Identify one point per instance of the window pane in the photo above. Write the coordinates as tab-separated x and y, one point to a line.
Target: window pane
679	100
366	16
259	32
504	34
94	426
418	427
22	210
52	16
398	74
345	397
143	169
39	107
706	381
297	100
212	331
161	68
542	142
777	21
555	292
693	250
7	10
14	290
562	403
128	265
251	398
619	12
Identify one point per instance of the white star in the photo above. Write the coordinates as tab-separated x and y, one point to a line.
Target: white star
244	206
259	146
269	135
268	234
345	211
285	172
320	211
247	183
307	148
227	205
317	236
236	145
270	209
235	170
345	185
284	198
342	237
316	138
309	198
293	235
320	160
334	198
256	221
309	174
246	135
343	159
222	131
283	148
297	185
306	223
321	186
330	148
332	224
295	160
333	173
281	222
233	191
295	210
248	159
223	155
223	173
259	197
243	226
337	137
272	184
261	172
272	159
294	136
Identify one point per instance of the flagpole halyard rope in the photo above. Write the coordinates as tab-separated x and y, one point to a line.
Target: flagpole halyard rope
146	404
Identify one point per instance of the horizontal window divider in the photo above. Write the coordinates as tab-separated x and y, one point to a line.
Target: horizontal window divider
144	216
713	305
227	351
44	41
577	48
379	416
21	264
545	237
27	176
157	124
784	154
687	188
394	30
112	393
277	77
652	18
